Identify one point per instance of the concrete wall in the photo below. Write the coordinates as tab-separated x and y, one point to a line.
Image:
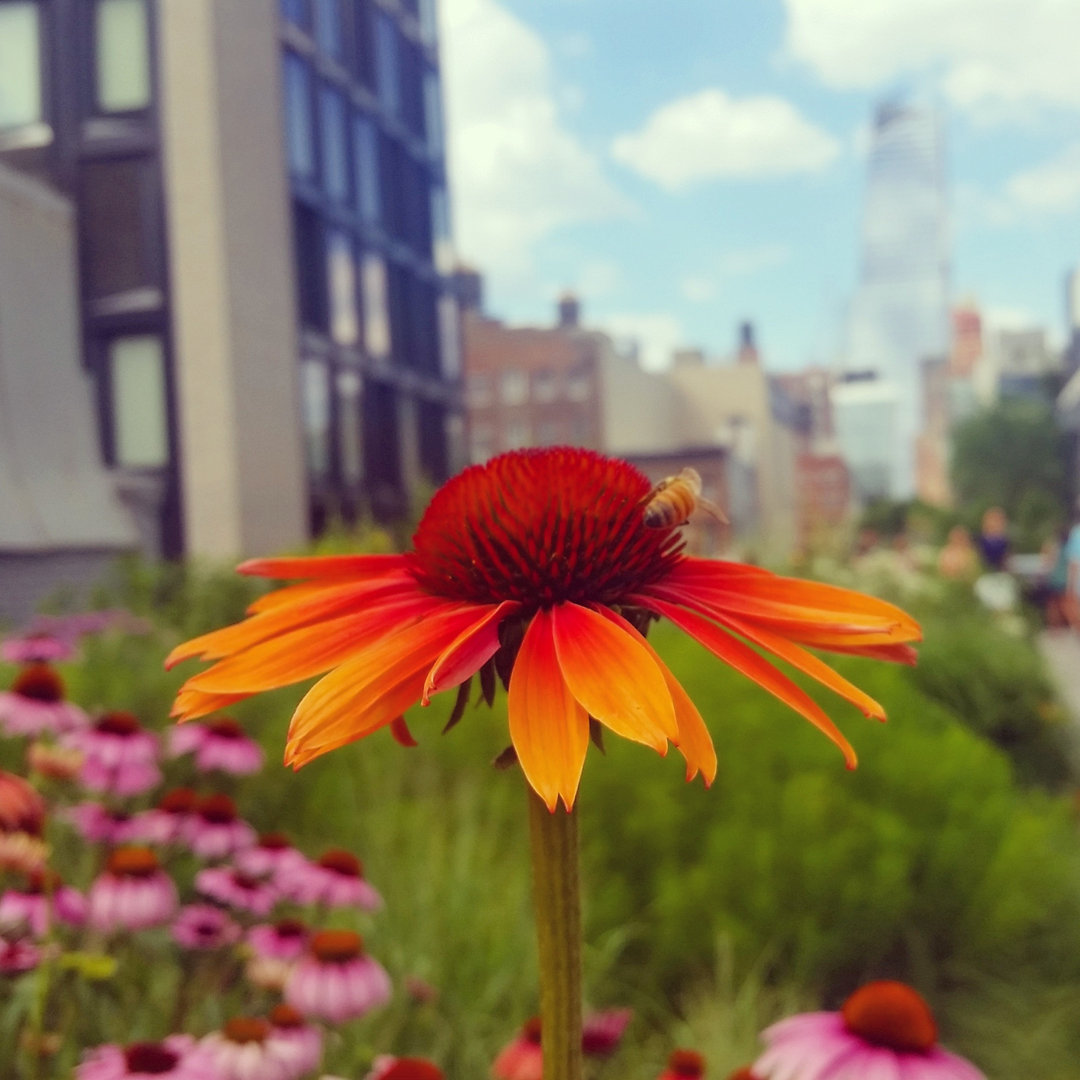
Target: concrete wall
60	515
230	263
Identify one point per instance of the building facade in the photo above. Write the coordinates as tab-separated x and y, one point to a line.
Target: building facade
260	203
900	312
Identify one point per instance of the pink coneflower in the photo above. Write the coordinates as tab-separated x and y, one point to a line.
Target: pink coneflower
602	1032
745	1073
121	756
214	830
101	825
37	647
336	980
684	1065
44	897
272	856
18	955
521	1059
53	761
883	1029
177	1057
387	1067
336	880
247	1048
289	1027
221	744
228	885
133	893
166	822
287	939
204	927
35	704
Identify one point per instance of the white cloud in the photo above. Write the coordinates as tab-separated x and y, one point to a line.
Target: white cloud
598	278
658	334
516	173
998	59
1052	187
709	135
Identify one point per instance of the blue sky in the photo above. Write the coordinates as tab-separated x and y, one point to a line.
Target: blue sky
688	164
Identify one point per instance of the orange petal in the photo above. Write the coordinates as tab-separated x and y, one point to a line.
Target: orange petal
323	566
303	609
694	741
895	654
190	703
809	665
549	729
381	681
311	650
466	655
783	596
741	657
613	677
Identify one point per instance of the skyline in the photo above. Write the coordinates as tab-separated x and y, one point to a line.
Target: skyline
725	181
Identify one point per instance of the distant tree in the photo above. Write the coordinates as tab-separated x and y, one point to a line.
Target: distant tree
1012	456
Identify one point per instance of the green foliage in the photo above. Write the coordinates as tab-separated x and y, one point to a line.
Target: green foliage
924	862
995	683
1012	456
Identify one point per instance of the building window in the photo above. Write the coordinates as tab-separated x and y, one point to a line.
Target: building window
449	337
350	429
478	394
579	386
297	12
549	433
429	30
341	278
433	114
382	462
335	158
545	385
20	64
514	388
299	136
122	55
442	246
311	282
517	435
387	64
118	214
376	306
366	169
328	28
315	395
140	433
481	442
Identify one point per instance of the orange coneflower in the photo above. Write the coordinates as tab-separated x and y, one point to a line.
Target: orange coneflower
537	566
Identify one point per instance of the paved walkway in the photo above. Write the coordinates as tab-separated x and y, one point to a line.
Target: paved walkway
1061	651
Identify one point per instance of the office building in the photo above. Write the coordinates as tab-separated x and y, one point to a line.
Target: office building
900	312
258	199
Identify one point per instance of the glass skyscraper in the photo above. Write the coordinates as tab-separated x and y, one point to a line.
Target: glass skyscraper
900	312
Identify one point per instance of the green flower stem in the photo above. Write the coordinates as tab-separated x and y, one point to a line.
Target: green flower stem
557	899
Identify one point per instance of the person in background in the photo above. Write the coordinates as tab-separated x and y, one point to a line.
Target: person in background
1071	603
1051	589
993	540
958	560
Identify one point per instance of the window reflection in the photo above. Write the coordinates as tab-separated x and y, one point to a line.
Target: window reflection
315	392
20	65
350	442
442	246
298	133
341	275
137	384
366	169
334	157
376	307
433	113
122	60
328	27
387	64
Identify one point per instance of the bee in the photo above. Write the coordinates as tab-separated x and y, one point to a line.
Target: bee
675	498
